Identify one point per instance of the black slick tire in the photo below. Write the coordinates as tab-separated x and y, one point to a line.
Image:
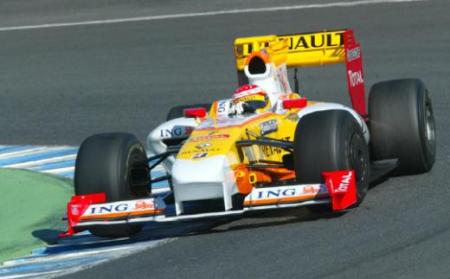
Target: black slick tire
329	141
115	164
402	125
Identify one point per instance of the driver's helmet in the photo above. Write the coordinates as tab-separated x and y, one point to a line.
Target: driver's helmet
251	98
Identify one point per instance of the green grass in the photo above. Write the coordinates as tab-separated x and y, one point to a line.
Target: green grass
31	207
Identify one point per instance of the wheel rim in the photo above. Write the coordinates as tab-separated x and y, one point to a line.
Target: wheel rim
430	130
358	162
138	175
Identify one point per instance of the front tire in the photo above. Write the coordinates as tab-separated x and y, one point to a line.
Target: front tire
330	141
115	164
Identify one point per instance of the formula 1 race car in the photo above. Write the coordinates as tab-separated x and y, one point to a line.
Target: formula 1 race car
264	148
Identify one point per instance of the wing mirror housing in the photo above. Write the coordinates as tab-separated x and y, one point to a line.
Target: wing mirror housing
295	103
195	112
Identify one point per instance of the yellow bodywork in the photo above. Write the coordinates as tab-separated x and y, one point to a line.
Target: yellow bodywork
220	138
296	50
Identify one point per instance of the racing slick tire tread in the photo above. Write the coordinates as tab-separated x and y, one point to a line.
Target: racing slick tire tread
329	141
402	125
178	111
116	164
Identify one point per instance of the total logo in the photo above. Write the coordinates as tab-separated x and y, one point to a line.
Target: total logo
345	183
355	78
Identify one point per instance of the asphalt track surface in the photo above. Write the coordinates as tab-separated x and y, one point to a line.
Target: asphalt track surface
59	85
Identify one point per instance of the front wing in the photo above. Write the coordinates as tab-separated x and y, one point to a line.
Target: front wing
85	211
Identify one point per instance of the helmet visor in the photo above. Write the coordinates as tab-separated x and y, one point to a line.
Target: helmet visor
256	104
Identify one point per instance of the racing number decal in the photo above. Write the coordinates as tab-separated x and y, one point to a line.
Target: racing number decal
222	109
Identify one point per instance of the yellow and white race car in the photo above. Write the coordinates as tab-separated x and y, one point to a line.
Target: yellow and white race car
265	147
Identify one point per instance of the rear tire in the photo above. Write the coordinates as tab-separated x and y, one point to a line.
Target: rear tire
115	164
330	141
178	111
402	125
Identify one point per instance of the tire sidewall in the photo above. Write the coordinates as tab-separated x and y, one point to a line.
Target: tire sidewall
429	149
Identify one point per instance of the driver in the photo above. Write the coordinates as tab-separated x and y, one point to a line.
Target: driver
250	98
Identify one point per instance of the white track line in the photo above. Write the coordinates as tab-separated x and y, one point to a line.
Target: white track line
61	170
30	151
31	275
211	13
82	253
108	253
42	162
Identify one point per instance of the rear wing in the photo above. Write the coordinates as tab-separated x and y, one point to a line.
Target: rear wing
311	49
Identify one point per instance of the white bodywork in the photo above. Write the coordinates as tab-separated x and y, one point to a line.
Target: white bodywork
169	130
274	81
212	178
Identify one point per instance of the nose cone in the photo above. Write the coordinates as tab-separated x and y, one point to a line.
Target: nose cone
208	178
200	170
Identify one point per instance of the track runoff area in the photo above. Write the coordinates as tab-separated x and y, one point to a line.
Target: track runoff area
66	255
